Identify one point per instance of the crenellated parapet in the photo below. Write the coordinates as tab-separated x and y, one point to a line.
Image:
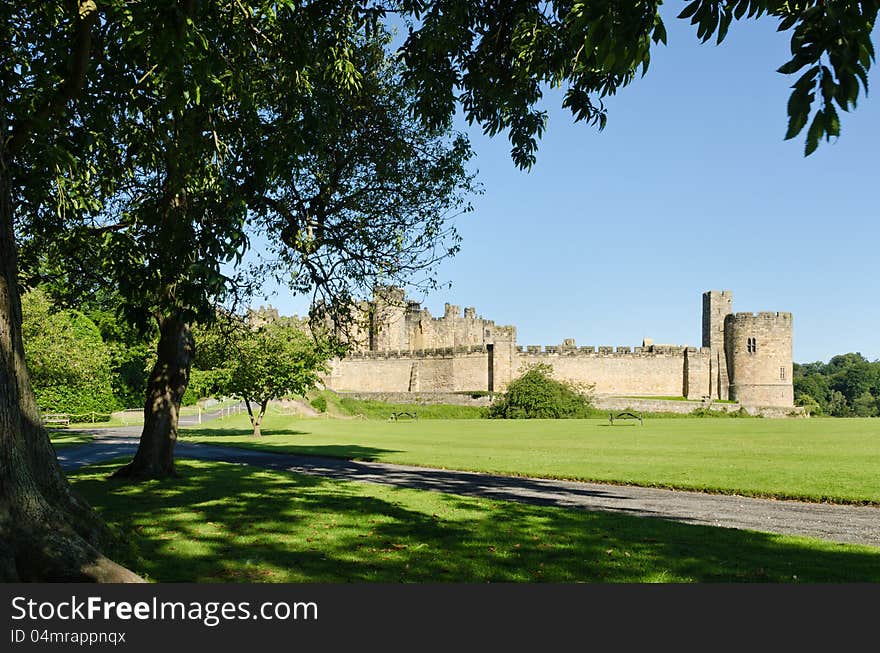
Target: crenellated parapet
622	350
436	352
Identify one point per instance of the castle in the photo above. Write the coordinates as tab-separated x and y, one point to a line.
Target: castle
401	347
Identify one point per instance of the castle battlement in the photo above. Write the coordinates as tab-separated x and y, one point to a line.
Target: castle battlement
589	350
763	315
437	352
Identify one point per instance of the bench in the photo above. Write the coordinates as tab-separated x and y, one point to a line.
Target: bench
624	416
56	418
396	416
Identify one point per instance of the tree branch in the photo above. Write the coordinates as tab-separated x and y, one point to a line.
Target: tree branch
71	87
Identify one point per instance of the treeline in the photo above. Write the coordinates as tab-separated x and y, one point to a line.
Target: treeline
846	386
87	360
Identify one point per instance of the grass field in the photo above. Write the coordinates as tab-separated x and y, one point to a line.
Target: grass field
61	438
232	523
816	460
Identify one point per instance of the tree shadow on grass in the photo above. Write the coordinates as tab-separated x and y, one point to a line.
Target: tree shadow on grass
259	447
236	523
218	432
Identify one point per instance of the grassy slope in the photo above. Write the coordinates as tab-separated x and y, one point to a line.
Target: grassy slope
233	523
381	410
816	459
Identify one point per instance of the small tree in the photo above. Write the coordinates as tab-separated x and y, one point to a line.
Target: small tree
269	362
536	395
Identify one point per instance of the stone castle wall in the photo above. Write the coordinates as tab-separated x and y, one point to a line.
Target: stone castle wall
626	370
621	371
406	349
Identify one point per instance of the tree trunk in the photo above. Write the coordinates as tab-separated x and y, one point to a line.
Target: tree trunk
255	421
258	423
165	388
47	533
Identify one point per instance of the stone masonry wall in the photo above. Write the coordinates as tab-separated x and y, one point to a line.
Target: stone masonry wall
717	305
624	371
620	372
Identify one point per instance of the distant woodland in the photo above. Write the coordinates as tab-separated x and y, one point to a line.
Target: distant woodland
846	386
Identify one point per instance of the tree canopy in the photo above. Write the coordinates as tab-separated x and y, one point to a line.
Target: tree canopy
494	59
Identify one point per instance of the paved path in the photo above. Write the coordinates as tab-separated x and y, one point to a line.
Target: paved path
854	524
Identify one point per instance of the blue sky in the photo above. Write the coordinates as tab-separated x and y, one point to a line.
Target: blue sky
613	236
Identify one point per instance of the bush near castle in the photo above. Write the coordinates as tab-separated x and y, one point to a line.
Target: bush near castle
536	395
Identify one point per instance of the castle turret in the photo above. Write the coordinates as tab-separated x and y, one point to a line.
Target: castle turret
717	305
760	349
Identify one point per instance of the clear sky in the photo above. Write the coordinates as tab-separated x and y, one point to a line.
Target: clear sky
613	236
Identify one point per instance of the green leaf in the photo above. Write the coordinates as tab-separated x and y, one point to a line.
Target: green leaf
690	10
723	26
787	23
789	67
814	133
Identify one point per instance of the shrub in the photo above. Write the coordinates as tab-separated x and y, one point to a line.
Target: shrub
708	412
810	405
535	395
67	359
319	403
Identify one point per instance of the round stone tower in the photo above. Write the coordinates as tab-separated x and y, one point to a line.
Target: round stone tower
759	348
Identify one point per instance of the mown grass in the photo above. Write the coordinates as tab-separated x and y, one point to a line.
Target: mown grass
372	409
61	438
835	460
233	523
375	409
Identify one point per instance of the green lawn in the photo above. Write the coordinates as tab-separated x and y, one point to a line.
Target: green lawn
61	438
816	459
234	523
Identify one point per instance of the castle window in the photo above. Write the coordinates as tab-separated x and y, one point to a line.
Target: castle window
782	374
487	333
751	345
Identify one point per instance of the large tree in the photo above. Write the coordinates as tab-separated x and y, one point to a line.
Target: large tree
239	117
47	532
187	106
